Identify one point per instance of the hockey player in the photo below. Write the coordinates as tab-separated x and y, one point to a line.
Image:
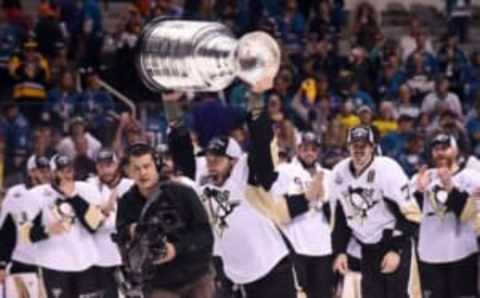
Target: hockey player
16	210
111	186
235	189
447	241
310	233
373	202
68	213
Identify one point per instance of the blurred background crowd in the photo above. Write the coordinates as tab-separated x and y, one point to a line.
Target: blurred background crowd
68	78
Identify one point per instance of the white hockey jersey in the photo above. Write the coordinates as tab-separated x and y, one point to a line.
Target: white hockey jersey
109	254
444	237
309	233
75	250
20	204
247	241
364	197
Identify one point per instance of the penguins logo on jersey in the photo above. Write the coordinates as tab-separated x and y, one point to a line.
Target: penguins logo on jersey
360	200
64	211
438	196
219	207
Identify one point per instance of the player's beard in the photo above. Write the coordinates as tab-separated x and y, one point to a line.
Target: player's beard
109	179
308	165
218	179
444	162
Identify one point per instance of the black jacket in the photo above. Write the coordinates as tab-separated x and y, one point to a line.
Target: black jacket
193	241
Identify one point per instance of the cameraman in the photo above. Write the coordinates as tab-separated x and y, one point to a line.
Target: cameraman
184	269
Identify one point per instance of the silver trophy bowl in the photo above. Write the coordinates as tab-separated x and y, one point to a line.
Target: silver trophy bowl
203	56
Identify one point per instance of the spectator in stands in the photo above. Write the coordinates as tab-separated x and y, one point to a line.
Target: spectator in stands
238	96
62	100
459	14
365	25
394	142
78	132
9	41
60	63
442	100
408	43
167	8
30	71
472	85
348	118
129	132
450	123
94	103
42	142
328	18
404	102
69	18
422	53
424	124
292	28
16	130
283	84
389	81
283	128
473	128
47	29
420	77
325	57
361	69
83	165
365	115
411	158
91	33
15	166
453	63
200	10
333	143
386	122
315	103
350	89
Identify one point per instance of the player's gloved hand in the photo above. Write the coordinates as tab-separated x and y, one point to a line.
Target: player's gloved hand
390	262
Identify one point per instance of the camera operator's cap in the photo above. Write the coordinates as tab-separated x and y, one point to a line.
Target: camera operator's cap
37	162
445	140
106	155
59	162
224	146
361	134
309	137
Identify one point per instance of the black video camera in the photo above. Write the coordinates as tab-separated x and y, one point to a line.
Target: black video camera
158	219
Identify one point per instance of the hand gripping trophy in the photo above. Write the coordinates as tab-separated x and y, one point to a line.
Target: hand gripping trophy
203	56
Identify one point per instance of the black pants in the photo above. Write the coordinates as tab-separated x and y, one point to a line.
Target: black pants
450	280
376	284
61	284
19	267
277	283
106	281
316	275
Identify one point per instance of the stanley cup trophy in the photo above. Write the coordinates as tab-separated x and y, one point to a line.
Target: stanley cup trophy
203	56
